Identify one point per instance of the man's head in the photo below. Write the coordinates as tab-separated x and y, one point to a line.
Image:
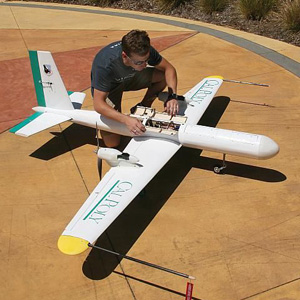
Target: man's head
136	49
136	42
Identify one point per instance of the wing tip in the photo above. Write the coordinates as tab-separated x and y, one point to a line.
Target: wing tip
216	76
72	245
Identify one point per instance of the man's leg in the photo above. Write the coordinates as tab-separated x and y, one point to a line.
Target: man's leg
150	78
158	84
111	140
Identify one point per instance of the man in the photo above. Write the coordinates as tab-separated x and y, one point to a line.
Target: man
129	65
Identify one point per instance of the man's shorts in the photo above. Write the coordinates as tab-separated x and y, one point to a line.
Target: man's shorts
141	80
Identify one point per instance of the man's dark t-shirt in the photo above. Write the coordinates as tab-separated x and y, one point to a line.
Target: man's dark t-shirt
108	69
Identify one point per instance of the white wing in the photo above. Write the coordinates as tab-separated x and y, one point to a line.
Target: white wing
115	191
122	184
199	97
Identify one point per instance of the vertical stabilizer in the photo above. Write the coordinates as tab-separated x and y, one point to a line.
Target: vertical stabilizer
49	87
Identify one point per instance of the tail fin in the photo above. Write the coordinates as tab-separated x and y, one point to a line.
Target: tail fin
50	92
49	87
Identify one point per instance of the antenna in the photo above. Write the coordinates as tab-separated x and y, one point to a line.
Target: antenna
245	82
143	262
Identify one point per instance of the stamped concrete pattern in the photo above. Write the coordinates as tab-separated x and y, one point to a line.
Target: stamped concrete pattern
238	233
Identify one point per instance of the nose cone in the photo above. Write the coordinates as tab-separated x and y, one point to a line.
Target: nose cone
267	148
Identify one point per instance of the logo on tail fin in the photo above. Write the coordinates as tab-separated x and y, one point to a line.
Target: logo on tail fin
47	70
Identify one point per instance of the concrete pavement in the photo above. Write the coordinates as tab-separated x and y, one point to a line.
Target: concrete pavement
237	233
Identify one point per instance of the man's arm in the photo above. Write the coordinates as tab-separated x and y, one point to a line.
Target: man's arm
134	125
170	74
171	81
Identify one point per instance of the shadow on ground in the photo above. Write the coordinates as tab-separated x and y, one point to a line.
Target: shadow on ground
73	137
127	228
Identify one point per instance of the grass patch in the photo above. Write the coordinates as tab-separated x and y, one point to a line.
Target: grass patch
210	6
103	2
290	15
256	9
169	4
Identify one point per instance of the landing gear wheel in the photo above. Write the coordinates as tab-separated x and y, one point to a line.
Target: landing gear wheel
220	169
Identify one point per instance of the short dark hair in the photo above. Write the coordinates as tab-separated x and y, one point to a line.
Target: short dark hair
136	41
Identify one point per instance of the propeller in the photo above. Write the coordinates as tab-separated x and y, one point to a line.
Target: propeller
99	160
98	139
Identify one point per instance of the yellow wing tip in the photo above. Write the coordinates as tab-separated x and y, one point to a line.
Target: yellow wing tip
72	245
217	76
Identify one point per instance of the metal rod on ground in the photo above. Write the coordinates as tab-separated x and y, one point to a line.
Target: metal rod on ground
245	82
144	263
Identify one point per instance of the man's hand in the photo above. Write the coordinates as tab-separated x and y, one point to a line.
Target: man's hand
171	107
135	126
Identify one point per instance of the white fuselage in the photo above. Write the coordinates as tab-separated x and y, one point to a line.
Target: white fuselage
193	136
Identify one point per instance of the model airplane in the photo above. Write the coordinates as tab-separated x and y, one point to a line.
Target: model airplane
143	157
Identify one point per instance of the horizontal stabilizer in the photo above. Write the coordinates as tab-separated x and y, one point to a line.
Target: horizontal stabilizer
38	122
77	99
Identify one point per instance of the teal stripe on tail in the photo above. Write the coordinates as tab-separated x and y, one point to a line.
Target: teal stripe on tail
37	78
